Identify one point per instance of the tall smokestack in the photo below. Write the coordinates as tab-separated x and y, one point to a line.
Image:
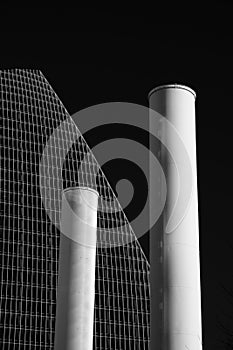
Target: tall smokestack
174	255
76	279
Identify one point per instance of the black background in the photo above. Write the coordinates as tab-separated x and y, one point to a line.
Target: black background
93	55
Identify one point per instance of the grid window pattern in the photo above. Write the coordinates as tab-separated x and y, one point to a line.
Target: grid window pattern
29	239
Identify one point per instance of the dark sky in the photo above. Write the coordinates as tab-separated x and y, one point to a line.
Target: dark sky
93	55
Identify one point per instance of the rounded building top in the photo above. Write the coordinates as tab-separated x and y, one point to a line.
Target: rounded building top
172	86
75	188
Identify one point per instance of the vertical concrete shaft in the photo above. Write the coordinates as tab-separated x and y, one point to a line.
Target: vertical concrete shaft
156	239
76	275
181	301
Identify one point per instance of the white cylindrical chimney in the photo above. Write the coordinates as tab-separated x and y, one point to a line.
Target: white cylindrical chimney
76	273
180	301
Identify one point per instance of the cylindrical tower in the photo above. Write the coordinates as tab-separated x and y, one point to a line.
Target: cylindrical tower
179	301
76	274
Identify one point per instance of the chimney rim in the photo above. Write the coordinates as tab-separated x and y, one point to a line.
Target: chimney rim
172	86
75	188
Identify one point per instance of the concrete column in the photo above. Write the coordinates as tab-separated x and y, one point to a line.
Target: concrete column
76	275
181	300
156	238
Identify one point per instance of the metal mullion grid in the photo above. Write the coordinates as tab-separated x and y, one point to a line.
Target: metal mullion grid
141	273
134	261
128	305
118	302
9	283
123	311
26	246
101	330
27	274
109	312
32	112
123	269
22	248
28	314
65	138
97	313
115	254
30	283
146	282
112	336
39	259
2	275
74	138
12	268
131	293
105	318
60	151
121	278
127	283
45	84
97	281
43	233
81	178
106	311
140	296
94	166
50	252
37	267
56	250
42	272
136	296
26	270
38	221
51	97
87	165
18	271
100	281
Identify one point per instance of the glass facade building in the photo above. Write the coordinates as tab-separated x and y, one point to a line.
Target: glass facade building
42	152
